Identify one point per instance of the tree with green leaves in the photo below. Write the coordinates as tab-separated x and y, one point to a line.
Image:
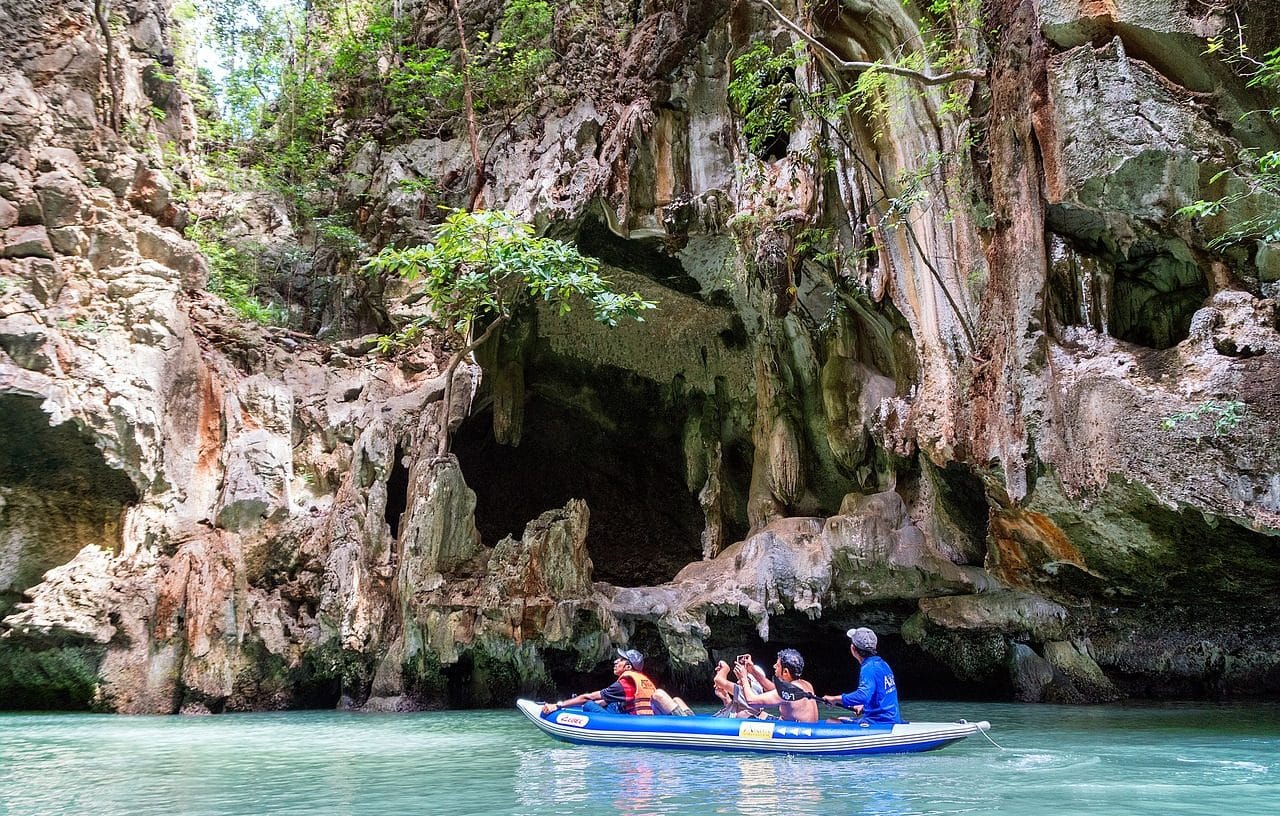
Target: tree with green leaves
1247	211
481	267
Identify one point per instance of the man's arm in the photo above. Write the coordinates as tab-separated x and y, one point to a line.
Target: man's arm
758	673
721	680
855	699
769	694
577	699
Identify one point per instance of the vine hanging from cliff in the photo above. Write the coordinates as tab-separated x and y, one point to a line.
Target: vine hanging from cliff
769	96
102	13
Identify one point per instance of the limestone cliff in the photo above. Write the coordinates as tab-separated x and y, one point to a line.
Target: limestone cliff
948	425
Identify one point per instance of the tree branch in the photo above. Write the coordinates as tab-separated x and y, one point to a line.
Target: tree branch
469	108
102	12
454	362
971	74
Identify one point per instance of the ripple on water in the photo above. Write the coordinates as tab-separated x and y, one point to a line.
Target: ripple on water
1048	761
1223	771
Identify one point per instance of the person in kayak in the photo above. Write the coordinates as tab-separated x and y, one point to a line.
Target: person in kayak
794	697
876	697
730	693
632	693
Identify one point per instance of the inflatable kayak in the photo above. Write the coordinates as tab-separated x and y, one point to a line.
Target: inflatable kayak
708	733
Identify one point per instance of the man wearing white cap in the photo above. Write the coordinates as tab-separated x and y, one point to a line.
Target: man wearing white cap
876	698
631	693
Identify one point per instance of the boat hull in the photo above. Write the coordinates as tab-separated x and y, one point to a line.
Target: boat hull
705	733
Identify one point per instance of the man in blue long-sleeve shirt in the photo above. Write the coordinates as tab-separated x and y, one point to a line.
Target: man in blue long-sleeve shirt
876	698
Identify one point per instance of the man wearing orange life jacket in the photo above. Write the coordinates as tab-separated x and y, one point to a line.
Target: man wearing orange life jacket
631	693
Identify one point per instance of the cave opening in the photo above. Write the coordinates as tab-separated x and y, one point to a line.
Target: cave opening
1145	296
57	494
650	257
828	664
963	510
397	492
612	439
1156	294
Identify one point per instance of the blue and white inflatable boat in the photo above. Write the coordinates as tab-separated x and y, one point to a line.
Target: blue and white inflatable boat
708	733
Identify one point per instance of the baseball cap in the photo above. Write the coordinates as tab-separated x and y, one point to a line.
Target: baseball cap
634	658
863	638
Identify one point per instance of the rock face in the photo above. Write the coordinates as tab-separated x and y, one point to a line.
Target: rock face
1023	426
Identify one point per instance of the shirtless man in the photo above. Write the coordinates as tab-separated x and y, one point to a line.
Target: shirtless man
793	696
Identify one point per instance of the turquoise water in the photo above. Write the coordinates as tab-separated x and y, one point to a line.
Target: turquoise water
1178	759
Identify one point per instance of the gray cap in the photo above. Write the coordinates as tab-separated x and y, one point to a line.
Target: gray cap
635	658
863	638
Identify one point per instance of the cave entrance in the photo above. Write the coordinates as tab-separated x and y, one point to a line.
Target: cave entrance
1146	297
824	647
57	494
1156	295
608	437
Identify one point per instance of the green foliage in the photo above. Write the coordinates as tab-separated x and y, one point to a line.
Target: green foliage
235	275
420	185
507	72
275	99
818	244
1224	416
1248	208
334	233
349	670
483	264
424	677
48	679
360	48
251	38
763	89
305	111
425	84
83	325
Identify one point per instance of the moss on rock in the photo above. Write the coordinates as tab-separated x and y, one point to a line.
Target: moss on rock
56	679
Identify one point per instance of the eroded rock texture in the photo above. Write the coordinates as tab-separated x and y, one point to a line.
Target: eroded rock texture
950	428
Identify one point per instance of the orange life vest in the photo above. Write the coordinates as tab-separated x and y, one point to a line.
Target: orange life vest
639	691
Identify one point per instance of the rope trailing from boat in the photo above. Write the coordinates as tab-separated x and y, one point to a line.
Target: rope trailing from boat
988	736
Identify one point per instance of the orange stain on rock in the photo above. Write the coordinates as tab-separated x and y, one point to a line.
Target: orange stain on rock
1098	8
209	426
1024	540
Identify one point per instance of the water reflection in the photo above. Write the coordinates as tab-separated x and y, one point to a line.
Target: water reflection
638	788
758	790
573	780
556	775
1114	761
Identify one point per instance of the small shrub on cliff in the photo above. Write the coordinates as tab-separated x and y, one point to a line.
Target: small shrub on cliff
234	275
1253	182
483	265
1224	416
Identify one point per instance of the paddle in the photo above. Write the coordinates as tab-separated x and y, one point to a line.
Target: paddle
790	691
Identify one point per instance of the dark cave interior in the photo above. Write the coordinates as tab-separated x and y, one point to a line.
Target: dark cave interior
615	444
1145	296
59	494
828	664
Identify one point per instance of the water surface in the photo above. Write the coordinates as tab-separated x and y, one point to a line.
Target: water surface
1172	759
